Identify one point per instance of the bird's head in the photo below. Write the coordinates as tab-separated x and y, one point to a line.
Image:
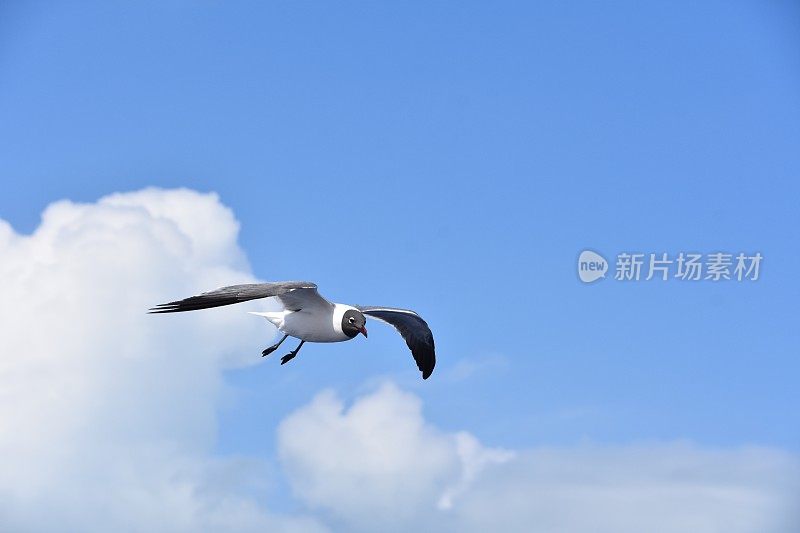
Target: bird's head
353	323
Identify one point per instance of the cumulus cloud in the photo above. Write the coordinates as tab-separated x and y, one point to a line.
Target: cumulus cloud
380	466
108	415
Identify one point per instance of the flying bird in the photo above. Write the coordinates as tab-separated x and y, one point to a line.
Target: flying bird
307	316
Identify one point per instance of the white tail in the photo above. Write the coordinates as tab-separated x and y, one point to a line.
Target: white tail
275	317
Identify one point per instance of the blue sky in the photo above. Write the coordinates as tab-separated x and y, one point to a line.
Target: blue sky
455	158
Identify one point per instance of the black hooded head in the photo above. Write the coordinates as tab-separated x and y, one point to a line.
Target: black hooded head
353	323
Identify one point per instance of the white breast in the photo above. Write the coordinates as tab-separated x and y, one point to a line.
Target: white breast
312	325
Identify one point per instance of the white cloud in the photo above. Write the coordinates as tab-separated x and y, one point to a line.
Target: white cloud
380	466
655	488
108	415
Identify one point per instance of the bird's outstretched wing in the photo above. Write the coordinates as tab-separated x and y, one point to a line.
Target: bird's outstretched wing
293	294
415	332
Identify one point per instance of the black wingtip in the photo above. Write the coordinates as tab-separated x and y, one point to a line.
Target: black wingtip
170	307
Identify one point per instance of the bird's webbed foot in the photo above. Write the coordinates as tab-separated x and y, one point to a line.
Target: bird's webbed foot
291	355
272	348
268	351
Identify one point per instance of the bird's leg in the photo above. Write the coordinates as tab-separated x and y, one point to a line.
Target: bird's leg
272	348
291	355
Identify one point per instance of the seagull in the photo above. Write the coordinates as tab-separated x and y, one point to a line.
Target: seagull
307	316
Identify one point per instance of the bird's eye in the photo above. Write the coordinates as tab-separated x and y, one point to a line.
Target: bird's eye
352	320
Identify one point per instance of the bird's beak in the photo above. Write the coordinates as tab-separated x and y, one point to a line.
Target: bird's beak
363	331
